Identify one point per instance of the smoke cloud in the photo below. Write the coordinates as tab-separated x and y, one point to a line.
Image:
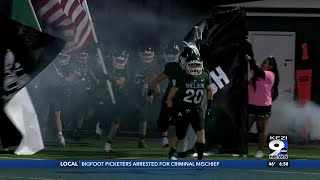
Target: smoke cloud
128	24
119	24
300	122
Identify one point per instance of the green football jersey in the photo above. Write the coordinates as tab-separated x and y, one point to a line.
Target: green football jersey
191	90
171	70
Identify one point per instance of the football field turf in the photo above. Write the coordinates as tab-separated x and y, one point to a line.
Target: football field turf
127	149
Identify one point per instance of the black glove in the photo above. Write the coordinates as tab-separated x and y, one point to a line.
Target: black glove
107	77
149	92
209	109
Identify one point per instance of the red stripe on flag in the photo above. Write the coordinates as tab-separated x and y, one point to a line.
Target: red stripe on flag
41	4
51	11
58	21
63	3
70	17
79	18
81	2
87	42
70	26
85	29
73	8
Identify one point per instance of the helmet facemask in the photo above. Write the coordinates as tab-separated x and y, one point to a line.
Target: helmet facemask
182	63
147	56
171	58
82	57
63	59
119	62
194	67
171	54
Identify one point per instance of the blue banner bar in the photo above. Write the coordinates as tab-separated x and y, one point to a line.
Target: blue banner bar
158	164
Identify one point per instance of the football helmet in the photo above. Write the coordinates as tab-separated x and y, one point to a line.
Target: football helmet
171	53
63	59
82	57
120	59
182	62
190	59
146	54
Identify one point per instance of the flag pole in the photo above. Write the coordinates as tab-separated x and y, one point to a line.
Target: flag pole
35	16
86	7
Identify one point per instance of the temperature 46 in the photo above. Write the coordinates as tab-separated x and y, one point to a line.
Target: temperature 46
278	164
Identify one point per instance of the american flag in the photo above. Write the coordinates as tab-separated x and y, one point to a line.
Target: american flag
71	16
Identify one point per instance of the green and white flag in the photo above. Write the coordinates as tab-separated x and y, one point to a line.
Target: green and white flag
25	51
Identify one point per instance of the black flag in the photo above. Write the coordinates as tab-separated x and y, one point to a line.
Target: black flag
24	53
220	39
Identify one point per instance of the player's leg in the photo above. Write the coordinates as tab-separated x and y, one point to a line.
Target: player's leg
142	131
112	134
173	147
92	103
101	115
79	121
56	107
181	127
118	114
102	118
165	140
163	124
83	116
82	100
188	144
142	115
198	124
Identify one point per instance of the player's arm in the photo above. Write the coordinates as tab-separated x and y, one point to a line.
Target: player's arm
120	80
157	89
171	95
209	93
94	77
154	83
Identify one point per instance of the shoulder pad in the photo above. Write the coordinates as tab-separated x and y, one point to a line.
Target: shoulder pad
206	71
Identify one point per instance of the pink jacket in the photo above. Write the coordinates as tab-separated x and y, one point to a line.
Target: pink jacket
261	96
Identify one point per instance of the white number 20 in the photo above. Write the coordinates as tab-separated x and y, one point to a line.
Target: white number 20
277	149
193	96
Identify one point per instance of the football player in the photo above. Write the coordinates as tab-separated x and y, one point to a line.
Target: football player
83	96
119	79
185	99
146	68
57	83
172	67
100	96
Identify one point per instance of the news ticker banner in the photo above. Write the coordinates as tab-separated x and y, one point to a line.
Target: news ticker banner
159	164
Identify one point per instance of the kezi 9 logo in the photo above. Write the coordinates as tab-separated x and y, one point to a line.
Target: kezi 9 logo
278	146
